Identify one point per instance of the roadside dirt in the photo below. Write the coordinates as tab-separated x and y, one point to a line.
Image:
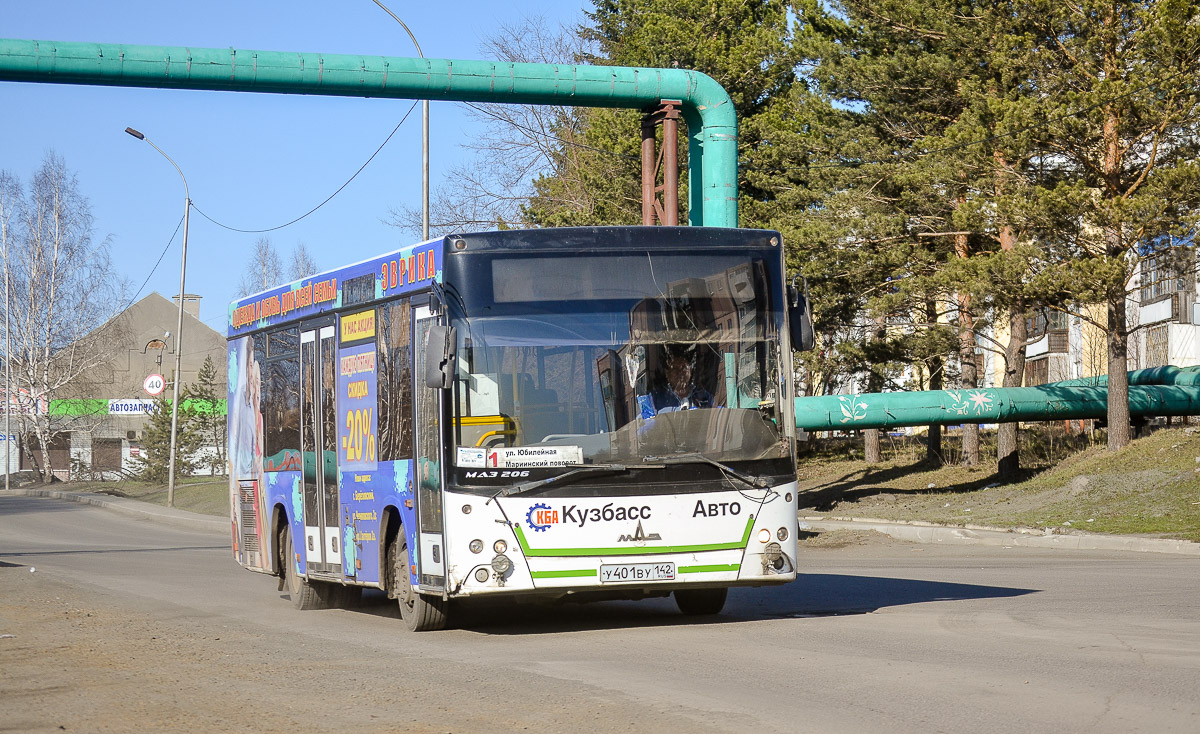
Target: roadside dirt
79	659
73	661
846	538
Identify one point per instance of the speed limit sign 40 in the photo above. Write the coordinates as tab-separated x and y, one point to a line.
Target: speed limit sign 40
154	385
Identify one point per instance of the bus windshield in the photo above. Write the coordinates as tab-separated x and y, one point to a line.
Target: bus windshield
624	359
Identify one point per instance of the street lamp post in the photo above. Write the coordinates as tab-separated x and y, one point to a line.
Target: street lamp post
424	133
187	207
7	376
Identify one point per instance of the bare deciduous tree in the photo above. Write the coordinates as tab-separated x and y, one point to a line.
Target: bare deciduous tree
264	269
519	143
62	288
302	264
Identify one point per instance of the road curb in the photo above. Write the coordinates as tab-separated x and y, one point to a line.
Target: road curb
927	532
133	508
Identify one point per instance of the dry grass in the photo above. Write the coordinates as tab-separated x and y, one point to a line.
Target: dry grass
1152	487
204	495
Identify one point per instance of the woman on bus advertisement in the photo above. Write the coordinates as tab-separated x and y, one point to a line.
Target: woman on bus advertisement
245	427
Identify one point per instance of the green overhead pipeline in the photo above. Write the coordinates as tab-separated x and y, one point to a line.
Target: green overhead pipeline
1166	375
1056	401
707	108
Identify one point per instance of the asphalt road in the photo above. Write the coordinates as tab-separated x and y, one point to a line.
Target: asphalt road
875	637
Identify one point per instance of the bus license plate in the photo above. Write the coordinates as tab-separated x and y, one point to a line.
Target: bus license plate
626	572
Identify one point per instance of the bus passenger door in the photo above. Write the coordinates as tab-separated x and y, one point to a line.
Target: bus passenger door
318	436
427	404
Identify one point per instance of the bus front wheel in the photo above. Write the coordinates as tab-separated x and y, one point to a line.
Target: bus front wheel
420	612
700	602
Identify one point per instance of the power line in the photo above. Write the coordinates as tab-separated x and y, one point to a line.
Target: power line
555	138
156	264
323	203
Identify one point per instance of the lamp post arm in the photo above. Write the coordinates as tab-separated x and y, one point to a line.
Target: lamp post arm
186	194
402	25
424	131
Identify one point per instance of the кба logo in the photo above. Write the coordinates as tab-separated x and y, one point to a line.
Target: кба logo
540	517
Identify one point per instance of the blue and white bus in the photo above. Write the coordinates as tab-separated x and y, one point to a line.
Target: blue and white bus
557	413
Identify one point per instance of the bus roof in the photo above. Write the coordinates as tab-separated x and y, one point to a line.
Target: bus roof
406	270
414	268
617	238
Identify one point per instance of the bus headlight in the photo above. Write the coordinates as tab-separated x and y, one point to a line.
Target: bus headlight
481	575
500	546
476	546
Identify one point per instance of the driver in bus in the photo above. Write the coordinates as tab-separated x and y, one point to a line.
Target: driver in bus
675	389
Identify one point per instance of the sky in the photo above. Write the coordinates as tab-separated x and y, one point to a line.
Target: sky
252	161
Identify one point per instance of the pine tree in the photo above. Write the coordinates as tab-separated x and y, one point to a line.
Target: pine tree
744	46
202	400
882	226
934	165
155	455
929	175
1116	92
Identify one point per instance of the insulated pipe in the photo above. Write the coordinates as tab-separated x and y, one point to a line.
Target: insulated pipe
708	110
986	405
1165	375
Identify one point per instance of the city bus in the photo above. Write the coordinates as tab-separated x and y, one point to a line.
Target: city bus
554	414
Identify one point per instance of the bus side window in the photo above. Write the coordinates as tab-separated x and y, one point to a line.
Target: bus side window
281	410
394	365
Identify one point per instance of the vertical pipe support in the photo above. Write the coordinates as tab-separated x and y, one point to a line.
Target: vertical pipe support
670	118
667	113
649	172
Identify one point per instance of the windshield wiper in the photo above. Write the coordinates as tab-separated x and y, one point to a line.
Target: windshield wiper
524	487
753	481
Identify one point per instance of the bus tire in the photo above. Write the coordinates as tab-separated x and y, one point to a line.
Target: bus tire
305	596
420	612
700	602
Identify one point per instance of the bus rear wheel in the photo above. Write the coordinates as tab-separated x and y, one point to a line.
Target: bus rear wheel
305	596
420	612
700	602
313	594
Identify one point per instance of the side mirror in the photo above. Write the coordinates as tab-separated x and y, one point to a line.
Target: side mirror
800	325
441	346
